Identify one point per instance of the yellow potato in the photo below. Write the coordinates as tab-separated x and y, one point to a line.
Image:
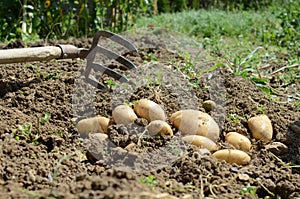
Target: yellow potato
92	125
239	141
149	110
123	114
200	141
159	126
261	128
232	156
195	122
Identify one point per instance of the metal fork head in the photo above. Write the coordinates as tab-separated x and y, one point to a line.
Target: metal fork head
96	48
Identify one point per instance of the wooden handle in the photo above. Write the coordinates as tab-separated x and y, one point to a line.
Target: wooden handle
30	54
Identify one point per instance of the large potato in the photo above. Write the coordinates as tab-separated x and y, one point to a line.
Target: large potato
232	156
123	114
92	125
195	122
239	141
149	110
261	128
201	141
160	127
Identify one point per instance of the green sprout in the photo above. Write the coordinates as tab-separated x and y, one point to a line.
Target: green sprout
234	118
249	189
110	83
24	132
42	121
149	180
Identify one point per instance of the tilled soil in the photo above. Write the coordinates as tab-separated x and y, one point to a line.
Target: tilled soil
49	159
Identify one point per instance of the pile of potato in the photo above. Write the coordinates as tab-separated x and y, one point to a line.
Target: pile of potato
198	128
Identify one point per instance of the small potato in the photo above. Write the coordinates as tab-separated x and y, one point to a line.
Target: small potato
92	125
149	110
160	127
195	122
201	141
261	128
239	141
123	114
232	156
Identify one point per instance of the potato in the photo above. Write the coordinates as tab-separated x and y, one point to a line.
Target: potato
160	127
239	141
149	110
261	128
232	156
200	141
123	114
195	122
92	125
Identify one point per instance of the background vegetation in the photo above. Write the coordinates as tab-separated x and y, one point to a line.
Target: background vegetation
249	37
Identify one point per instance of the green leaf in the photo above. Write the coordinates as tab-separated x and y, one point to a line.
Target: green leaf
264	88
46	118
259	80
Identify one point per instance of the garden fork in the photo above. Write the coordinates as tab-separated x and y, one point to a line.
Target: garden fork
67	51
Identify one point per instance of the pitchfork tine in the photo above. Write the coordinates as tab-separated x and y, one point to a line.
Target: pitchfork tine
113	37
112	55
109	72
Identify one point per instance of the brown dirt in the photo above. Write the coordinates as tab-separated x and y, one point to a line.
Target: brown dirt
60	164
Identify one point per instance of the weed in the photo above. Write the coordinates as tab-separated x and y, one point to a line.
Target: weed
42	121
52	177
24	132
261	110
110	83
52	76
238	66
286	165
148	57
149	180
249	189
234	118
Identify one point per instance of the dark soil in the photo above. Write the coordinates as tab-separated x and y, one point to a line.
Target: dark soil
53	161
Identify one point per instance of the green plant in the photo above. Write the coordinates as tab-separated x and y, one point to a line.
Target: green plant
42	121
261	109
52	76
234	118
249	189
24	132
58	165
149	180
111	83
32	20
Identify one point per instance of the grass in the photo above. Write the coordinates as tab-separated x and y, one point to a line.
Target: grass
240	41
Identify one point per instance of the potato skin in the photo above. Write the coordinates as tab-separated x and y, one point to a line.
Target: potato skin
261	128
160	127
92	125
239	141
201	141
195	122
232	156
123	114
149	110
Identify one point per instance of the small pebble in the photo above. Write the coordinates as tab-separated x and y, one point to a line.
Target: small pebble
209	105
277	148
243	177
